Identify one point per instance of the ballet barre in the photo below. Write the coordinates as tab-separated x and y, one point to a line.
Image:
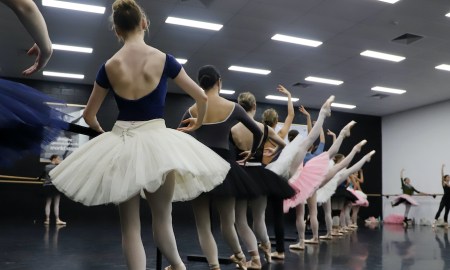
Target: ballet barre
393	195
11	179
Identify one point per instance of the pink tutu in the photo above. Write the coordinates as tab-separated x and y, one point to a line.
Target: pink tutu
407	197
394	219
362	198
307	180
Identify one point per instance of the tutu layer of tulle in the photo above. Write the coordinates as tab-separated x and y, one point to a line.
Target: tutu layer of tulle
362	198
307	180
27	122
238	183
117	165
270	183
408	199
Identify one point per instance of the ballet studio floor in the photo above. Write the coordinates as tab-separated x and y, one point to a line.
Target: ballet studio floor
92	244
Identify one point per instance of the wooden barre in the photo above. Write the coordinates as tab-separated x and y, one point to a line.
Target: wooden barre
18	177
21	182
389	195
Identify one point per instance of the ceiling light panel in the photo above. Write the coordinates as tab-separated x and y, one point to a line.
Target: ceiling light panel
227	92
388	90
70	48
193	23
73	6
343	106
181	60
323	80
63	75
249	70
297	40
443	67
272	97
383	56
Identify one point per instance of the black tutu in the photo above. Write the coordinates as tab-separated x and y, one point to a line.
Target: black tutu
27	122
270	183
50	191
343	194
237	183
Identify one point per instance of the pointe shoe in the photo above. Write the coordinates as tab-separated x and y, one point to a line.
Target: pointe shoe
326	107
370	154
311	241
358	147
326	237
297	246
60	222
239	260
254	263
170	267
47	222
346	130
214	267
266	248
277	256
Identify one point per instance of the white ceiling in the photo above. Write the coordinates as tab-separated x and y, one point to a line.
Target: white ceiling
347	27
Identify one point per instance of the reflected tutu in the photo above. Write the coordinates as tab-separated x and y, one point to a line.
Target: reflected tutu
117	165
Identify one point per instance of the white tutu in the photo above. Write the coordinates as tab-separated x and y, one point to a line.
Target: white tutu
282	166
324	193
117	165
362	194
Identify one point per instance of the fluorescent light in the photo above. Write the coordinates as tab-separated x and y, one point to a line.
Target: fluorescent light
297	40
389	1
388	90
323	80
250	70
343	106
73	6
447	15
181	60
63	75
227	92
71	48
192	23
383	56
443	67
281	98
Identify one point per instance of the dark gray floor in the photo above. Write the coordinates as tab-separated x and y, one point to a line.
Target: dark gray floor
96	245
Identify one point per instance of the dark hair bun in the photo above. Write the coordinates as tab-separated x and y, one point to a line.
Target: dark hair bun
208	77
127	15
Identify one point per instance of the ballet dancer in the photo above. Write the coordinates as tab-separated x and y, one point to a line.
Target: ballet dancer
51	193
271	184
445	201
140	153
220	117
270	118
286	165
356	179
406	197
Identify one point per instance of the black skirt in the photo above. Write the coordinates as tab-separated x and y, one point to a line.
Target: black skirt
237	183
270	183
50	191
343	193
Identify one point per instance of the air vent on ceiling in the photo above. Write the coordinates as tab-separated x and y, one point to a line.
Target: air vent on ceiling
379	96
302	85
407	38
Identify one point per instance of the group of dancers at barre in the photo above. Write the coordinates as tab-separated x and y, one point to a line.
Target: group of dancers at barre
140	157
